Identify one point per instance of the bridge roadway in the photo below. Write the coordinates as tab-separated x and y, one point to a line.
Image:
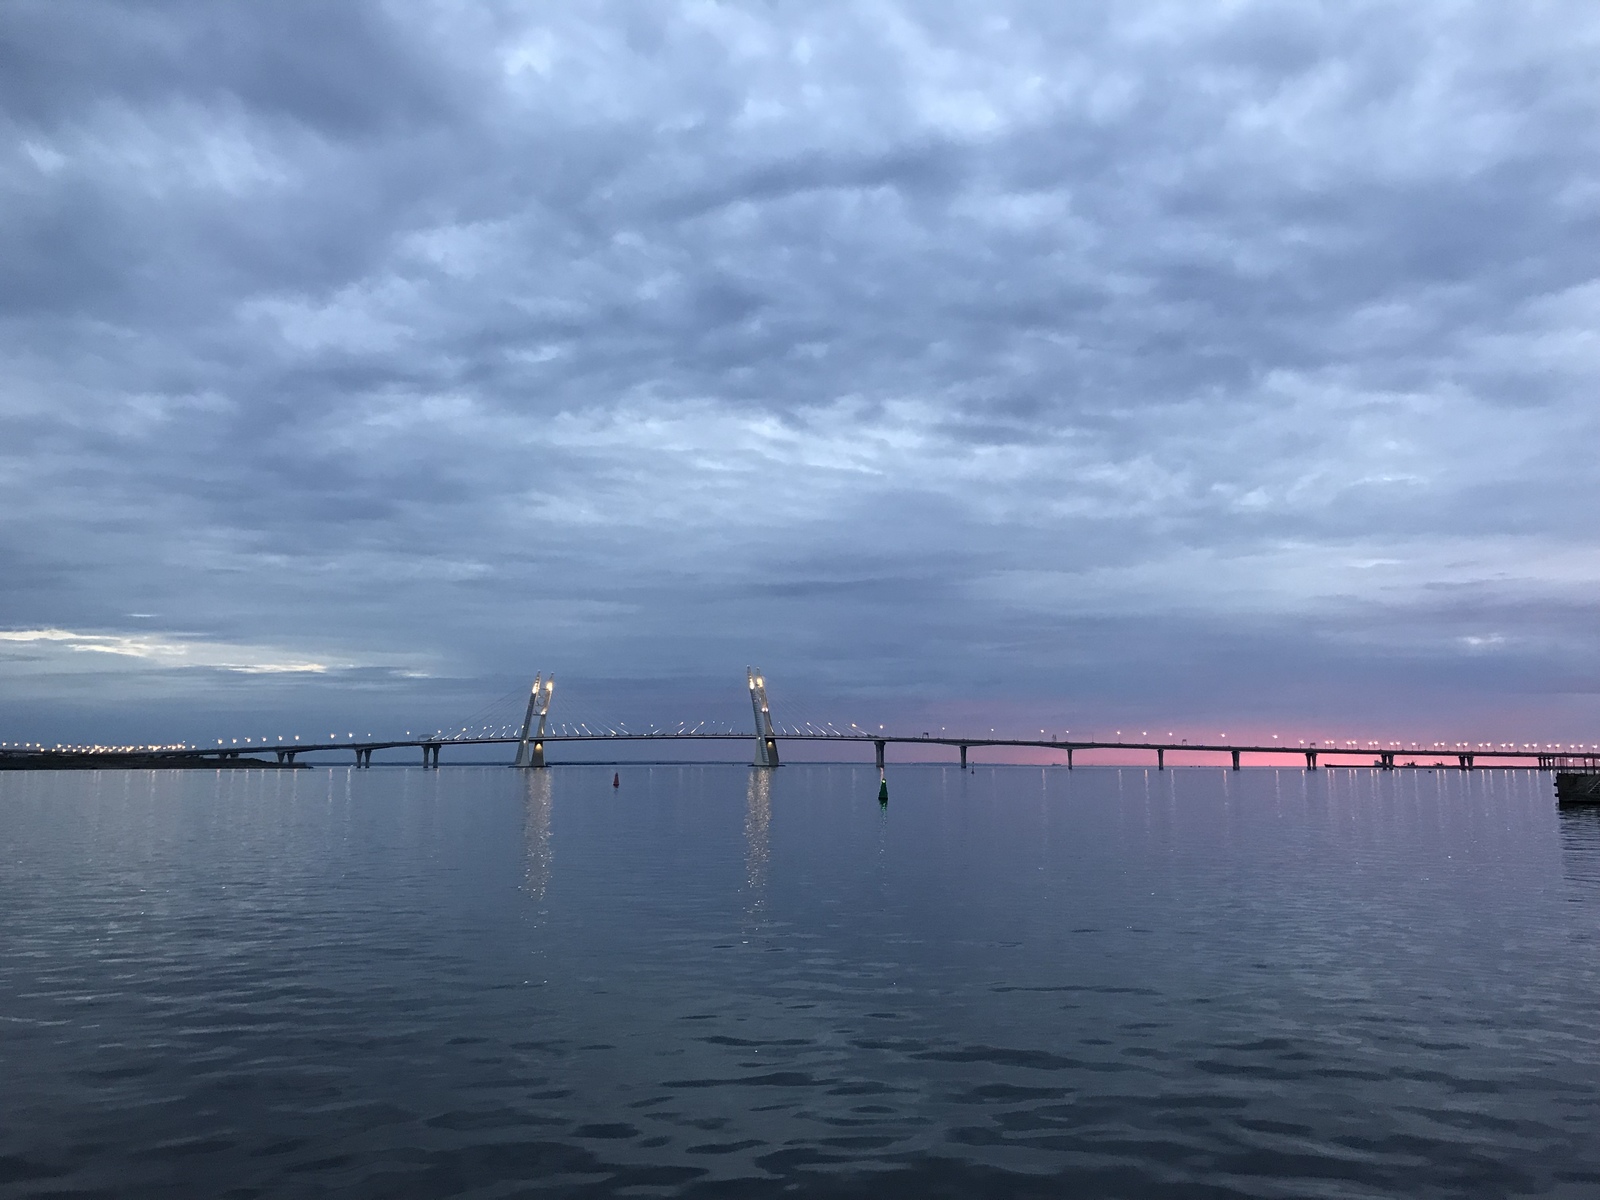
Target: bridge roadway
1387	758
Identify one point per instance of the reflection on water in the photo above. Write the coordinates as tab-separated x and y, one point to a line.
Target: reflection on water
536	831
1580	849
757	837
761	984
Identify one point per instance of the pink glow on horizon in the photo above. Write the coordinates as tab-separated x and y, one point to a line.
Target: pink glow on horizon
1269	749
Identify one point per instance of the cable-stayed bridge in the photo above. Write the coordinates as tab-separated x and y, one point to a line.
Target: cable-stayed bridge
537	738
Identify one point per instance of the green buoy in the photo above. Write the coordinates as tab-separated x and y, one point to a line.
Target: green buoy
883	790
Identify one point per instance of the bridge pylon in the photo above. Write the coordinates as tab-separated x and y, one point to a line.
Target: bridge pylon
766	740
530	742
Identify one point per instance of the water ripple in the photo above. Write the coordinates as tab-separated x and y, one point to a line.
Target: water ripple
708	983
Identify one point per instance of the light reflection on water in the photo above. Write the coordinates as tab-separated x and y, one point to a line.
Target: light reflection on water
540	787
757	836
1112	982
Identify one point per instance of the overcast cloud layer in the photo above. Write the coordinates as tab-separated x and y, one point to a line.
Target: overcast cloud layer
1066	362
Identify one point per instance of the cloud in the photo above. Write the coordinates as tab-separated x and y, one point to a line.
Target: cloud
872	341
170	653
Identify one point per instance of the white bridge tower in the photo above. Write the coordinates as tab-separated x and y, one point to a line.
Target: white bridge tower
766	742
538	706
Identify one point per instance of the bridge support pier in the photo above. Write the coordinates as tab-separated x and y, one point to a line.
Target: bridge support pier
1311	760
286	756
879	745
1161	759
766	741
963	757
363	757
1235	760
1386	760
430	754
1069	758
1465	761
530	754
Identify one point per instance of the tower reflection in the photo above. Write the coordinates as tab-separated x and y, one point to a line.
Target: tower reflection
536	832
757	837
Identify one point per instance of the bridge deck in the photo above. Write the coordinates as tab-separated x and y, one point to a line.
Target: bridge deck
1372	754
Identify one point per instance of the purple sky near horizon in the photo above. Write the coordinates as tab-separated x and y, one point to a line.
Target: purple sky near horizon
1024	365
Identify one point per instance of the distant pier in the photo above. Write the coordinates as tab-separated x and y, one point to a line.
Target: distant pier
1578	787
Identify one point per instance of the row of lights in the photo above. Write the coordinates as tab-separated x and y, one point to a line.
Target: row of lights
96	749
1330	744
1371	743
267	741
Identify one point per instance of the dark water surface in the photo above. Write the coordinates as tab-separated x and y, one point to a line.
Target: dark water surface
714	981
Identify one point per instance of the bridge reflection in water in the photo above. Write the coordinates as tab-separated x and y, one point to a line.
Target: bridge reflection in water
537	851
757	839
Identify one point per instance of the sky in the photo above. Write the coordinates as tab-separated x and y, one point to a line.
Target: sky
1016	365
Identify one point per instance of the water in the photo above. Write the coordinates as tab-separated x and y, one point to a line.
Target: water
713	981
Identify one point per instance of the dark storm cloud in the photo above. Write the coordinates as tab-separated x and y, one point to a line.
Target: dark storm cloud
1155	355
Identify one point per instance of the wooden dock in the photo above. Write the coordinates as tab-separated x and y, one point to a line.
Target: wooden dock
1578	787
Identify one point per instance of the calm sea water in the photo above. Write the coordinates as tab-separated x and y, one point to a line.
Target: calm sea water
714	981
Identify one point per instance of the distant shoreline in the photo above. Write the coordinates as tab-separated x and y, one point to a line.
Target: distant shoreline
137	762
